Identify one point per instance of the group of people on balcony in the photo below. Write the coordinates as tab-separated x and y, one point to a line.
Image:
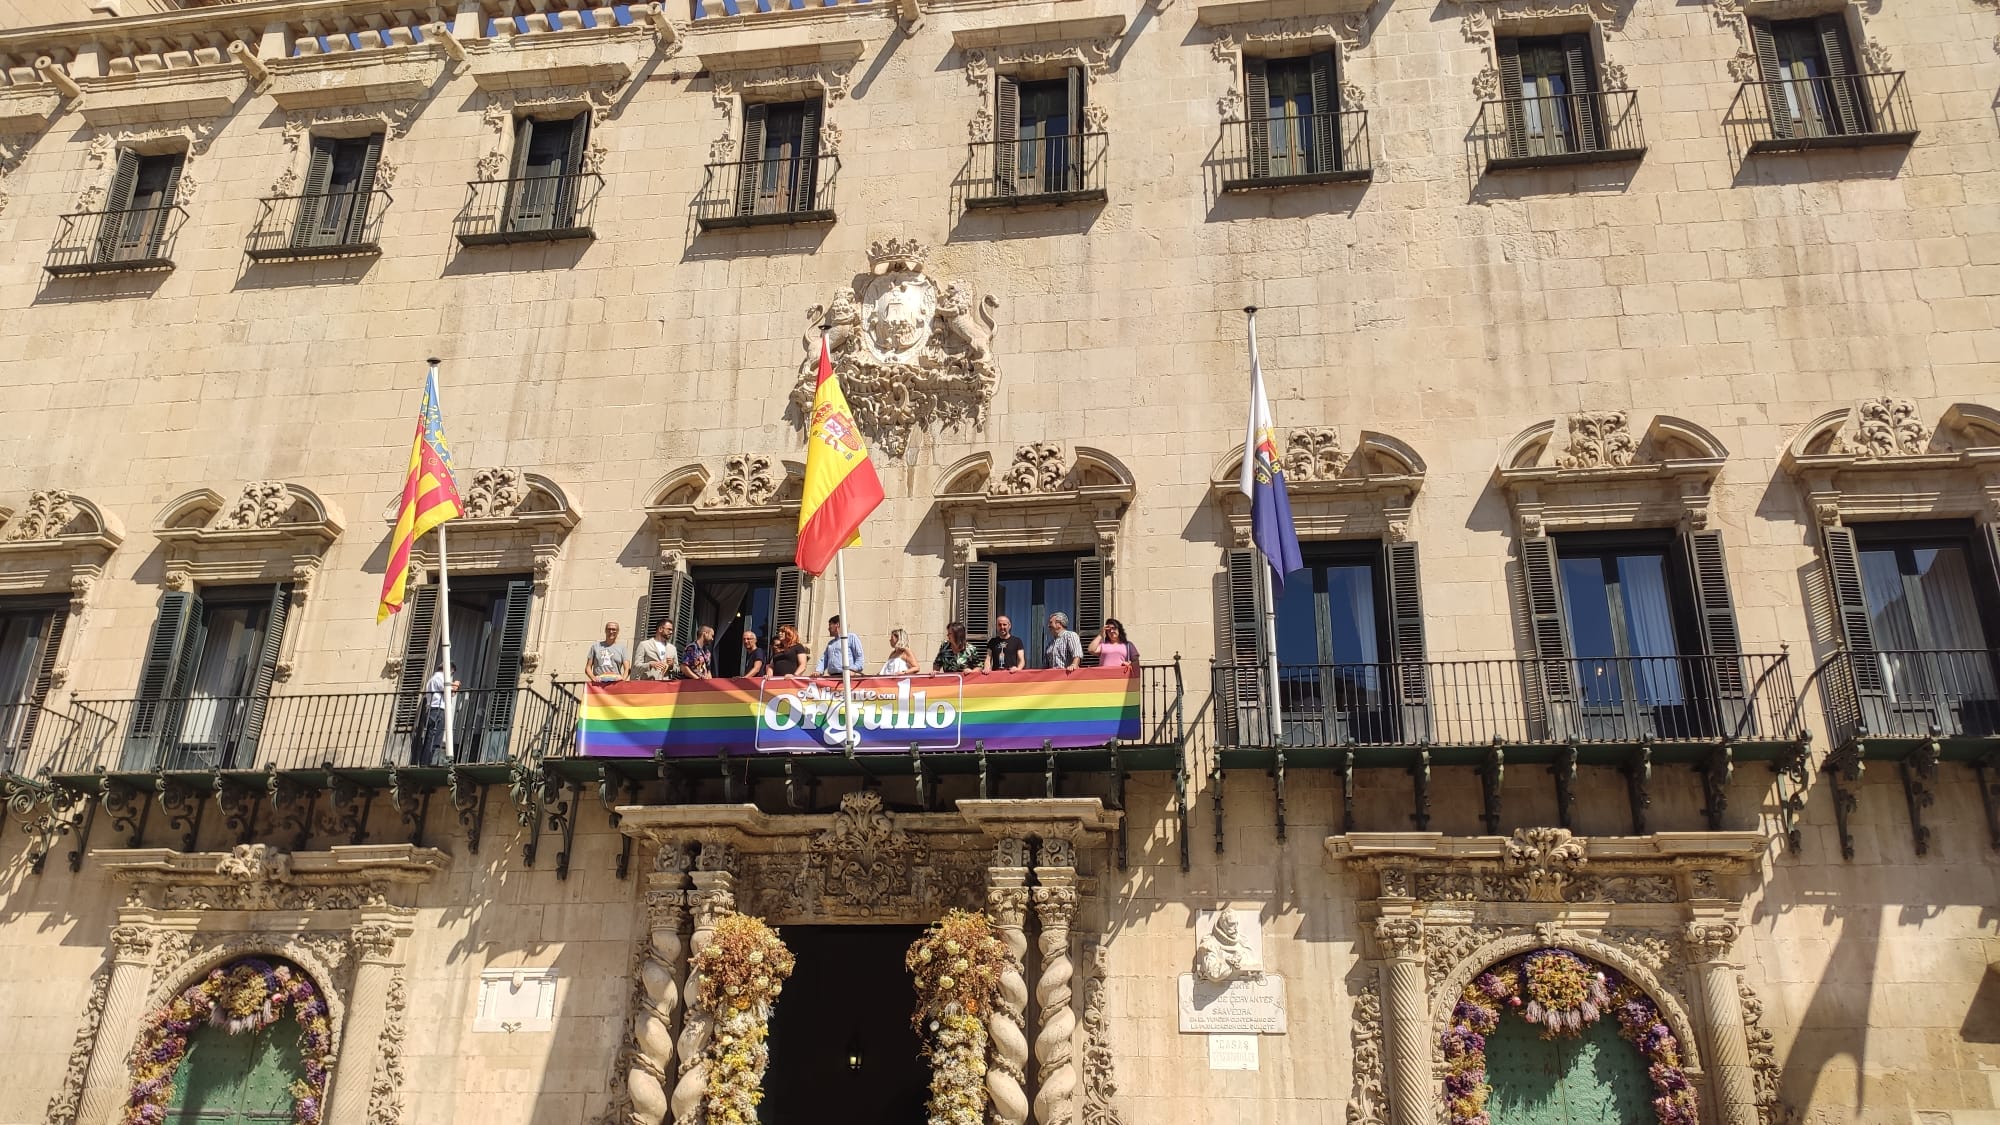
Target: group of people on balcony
608	662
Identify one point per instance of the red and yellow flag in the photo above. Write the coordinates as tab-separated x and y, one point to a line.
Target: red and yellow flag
430	497
841	487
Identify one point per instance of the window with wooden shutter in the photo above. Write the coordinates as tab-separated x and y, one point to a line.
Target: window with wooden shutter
1721	642
976	597
1843	88
788	600
497	743
419	645
159	672
659	602
257	707
1552	687
117	202
542	161
570	184
750	171
1325	154
362	193
312	200
1582	84
1778	95
1850	601
1243	592
1066	163
1006	136
1090	608
1508	54
806	179
30	643
1406	637
158	186
1257	111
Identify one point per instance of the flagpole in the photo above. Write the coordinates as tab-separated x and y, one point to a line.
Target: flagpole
853	737
1274	697
444	620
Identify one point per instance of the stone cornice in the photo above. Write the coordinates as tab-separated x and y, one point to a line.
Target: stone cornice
1714	849
260	877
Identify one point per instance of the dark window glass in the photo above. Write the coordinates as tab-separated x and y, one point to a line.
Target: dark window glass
731	601
1028	590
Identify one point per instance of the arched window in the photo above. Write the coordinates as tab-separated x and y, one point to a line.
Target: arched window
248	1043
1590	1078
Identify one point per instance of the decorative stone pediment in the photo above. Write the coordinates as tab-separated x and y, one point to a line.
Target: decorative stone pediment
210	88
745	509
1591	469
1040	499
343	118
503	107
189	138
756	68
262	877
274	531
315	80
1335	491
1879	458
552	54
28	107
1547	865
911	354
55	541
1287	26
513	520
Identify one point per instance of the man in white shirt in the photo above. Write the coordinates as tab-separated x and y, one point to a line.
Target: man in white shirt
436	698
657	658
842	652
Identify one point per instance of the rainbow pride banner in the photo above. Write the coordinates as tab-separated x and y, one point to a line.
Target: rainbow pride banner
1001	710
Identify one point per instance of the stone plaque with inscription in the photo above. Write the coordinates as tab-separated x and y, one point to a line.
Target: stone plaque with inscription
1253	1005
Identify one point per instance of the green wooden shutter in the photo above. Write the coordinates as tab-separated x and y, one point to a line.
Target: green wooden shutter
1843	573
1848	105
658	603
270	646
1989	538
124	181
1765	44
1244	636
1072	146
1552	693
1582	87
750	170
364	193
157	675
418	642
1721	641
977	592
1406	636
312	200
1090	611
507	665
161	219
805	191
1006	135
1508	52
684	626
787	599
519	193
1257	112
570	186
1326	116
45	678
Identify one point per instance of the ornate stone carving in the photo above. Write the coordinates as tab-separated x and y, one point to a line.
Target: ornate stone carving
866	858
385	1094
496	493
193	140
1765	1072
1100	1082
47	512
1314	454
909	356
1055	1061
1367	1101
1401	936
1007	1058
1711	940
1224	954
1883	427
1542	862
63	1106
1447	946
864	866
1349	29
748	480
263	505
503	107
1598	439
393	118
1055	850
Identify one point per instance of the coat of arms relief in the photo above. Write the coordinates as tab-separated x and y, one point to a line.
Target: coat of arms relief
910	354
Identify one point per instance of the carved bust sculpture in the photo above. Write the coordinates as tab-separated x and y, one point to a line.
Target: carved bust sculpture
1223	954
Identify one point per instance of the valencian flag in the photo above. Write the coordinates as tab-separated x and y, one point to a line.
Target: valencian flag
430	497
841	487
1263	481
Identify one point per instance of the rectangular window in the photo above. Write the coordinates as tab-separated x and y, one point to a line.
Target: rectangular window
1294	115
1547	85
1810	82
780	171
1333	648
1039	141
548	164
340	179
733	600
205	684
1631	626
1931	610
30	639
1027	589
139	206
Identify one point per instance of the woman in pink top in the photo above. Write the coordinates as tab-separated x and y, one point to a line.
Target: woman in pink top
1111	647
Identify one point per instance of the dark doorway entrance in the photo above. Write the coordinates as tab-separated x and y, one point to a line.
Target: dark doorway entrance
848	995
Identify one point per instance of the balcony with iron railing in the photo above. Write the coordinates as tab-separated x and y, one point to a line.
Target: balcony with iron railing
1835	111
1278	152
1037	171
529	209
768	191
330	224
132	240
1596	127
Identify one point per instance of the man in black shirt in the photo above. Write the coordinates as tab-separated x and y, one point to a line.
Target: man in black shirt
1006	652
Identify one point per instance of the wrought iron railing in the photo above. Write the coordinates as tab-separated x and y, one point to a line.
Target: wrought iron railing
34	736
323	224
790	189
529	209
1832	111
1560	129
1937	693
350	730
1281	151
139	238
1475	702
1066	167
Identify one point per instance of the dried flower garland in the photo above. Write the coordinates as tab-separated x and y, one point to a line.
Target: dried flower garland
743	969
245	996
1563	994
956	966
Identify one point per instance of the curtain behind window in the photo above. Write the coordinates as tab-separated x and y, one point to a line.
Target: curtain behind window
1649	623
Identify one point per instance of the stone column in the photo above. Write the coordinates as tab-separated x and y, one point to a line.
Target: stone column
107	1082
359	1052
1731	1080
658	1000
1007	1056
1413	1090
713	895
1055	1049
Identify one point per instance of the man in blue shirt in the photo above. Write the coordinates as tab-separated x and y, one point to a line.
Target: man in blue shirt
842	652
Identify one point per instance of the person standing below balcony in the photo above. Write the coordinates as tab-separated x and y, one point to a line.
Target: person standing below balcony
900	662
1006	652
657	659
1111	647
956	655
754	660
842	652
1064	650
607	661
700	656
787	654
435	697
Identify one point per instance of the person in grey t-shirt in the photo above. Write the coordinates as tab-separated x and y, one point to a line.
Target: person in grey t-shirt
1064	651
606	662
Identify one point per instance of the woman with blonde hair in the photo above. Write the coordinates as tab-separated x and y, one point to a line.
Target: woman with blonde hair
900	662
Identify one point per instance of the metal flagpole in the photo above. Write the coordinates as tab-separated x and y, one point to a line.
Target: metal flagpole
444	619
853	737
1262	408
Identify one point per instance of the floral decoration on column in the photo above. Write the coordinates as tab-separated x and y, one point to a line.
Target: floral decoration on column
245	996
957	966
1563	993
743	969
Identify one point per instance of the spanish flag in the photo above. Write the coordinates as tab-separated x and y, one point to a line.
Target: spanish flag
430	497
841	487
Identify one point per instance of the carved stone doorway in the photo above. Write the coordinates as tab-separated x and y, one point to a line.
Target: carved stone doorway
849	1001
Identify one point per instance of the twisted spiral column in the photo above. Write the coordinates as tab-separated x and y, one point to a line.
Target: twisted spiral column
1007	1047
714	895
659	996
374	940
107	1082
1414	1092
1055	1050
1722	1014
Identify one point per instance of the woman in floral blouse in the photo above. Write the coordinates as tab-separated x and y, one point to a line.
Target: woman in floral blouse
956	654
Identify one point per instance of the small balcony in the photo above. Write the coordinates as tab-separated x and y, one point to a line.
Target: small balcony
1037	172
133	240
529	209
1318	148
1836	111
1594	128
774	191
336	224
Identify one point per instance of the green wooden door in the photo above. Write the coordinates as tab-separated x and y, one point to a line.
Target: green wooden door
1570	1080
237	1079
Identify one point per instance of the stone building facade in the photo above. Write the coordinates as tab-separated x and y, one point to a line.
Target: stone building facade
1635	374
